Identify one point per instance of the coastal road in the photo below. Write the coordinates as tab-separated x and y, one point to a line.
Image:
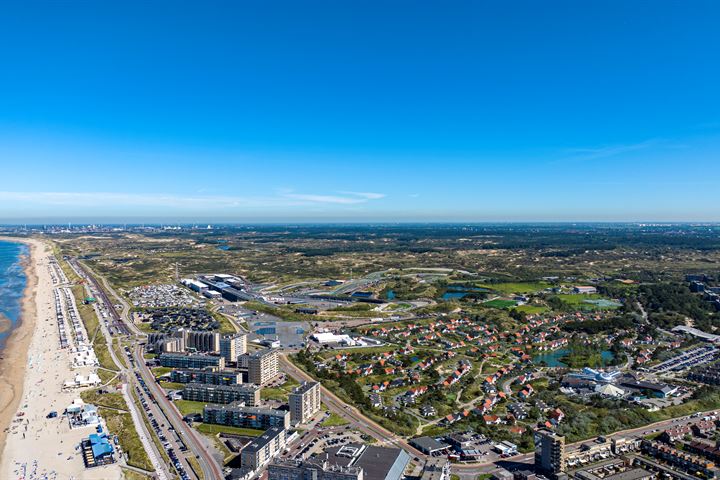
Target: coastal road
144	434
211	468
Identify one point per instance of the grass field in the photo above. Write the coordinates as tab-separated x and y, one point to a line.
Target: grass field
531	309
279	393
515	287
499	303
334	420
579	300
172	385
160	371
121	424
106	375
211	429
110	400
133	475
188	407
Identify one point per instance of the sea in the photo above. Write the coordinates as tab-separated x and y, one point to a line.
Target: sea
12	285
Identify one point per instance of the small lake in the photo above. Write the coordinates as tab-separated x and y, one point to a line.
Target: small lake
459	291
223	247
452	295
390	295
552	359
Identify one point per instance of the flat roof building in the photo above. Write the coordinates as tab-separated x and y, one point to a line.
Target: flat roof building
208	375
190	360
232	346
238	415
550	456
304	402
247	393
312	469
262	449
428	445
377	463
262	366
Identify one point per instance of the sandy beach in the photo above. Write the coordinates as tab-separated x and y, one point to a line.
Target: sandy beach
14	361
32	374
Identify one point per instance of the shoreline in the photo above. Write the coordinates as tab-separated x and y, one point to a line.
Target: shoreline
13	364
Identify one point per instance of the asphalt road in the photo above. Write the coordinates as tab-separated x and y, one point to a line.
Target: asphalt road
209	465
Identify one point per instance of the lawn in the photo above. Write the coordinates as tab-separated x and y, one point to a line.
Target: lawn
579	300
531	309
279	393
106	375
211	429
497	303
160	371
515	287
172	385
110	400
133	475
334	420
121	424
188	407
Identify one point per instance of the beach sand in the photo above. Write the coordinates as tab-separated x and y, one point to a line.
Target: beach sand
32	373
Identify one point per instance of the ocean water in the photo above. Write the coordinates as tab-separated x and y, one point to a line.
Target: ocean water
12	284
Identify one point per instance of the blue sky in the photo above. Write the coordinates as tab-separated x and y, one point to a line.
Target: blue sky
360	111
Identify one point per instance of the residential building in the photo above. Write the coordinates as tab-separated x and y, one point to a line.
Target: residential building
550	456
190	360
304	402
209	375
232	346
238	415
688	462
263	448
202	341
247	393
262	366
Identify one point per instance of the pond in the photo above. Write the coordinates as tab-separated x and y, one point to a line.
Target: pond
390	295
459	291
552	359
452	295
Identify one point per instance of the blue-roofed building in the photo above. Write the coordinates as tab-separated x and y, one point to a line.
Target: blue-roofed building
97	450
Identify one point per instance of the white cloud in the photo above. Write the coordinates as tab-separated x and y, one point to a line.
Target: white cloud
174	201
345	198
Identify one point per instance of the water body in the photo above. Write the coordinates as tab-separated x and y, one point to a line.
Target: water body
223	247
552	359
459	291
452	295
390	295
12	284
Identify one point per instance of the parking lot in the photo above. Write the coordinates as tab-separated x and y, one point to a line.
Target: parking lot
170	440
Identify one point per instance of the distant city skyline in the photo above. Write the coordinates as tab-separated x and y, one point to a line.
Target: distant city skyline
360	112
